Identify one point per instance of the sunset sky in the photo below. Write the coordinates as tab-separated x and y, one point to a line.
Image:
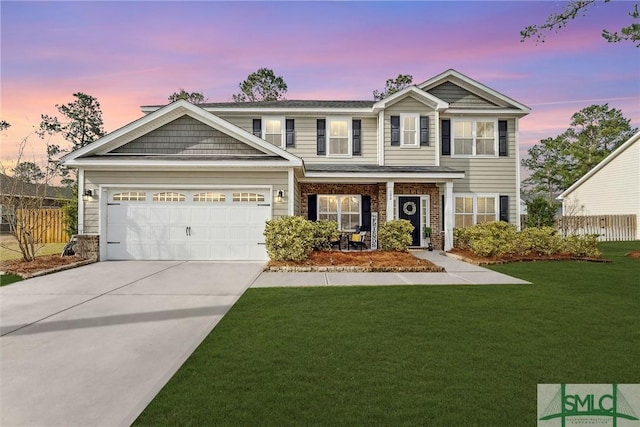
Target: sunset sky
128	54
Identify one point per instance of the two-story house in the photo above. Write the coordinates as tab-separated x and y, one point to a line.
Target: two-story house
198	182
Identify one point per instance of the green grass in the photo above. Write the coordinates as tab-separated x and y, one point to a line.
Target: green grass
7	279
433	355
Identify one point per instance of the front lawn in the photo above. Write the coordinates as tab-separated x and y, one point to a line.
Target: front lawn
411	355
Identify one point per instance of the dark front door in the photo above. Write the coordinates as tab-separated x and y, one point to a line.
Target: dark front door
409	209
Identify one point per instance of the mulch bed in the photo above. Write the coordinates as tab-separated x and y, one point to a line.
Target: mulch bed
634	254
472	258
357	261
41	265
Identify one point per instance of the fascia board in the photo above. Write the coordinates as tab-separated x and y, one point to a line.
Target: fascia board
486	112
186	165
387	175
274	111
634	139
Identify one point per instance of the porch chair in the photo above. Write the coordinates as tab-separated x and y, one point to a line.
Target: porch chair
357	240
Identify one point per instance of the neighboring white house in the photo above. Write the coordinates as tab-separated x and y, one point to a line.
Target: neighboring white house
612	187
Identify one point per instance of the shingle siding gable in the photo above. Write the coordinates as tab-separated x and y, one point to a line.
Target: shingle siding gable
186	135
458	97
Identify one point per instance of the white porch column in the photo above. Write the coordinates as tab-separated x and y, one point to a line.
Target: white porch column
448	215
390	212
80	201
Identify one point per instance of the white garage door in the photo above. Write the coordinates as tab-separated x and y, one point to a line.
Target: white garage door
145	224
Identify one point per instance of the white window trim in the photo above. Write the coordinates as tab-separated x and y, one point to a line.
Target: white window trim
339	206
495	196
416	118
349	121
283	131
474	121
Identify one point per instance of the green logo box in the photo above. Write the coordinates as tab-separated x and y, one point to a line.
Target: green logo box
592	405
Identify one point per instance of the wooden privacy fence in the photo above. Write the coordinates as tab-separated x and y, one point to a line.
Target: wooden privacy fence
47	224
610	228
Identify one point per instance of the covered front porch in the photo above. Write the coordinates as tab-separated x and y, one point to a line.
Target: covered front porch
370	196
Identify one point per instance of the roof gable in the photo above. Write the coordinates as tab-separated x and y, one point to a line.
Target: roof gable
152	132
415	93
472	91
635	139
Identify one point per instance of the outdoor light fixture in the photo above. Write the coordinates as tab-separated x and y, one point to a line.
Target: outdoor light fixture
87	195
279	196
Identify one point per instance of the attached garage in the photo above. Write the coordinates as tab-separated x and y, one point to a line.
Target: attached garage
176	224
182	184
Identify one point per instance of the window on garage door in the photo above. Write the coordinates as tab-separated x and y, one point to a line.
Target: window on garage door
209	196
130	196
248	197
168	196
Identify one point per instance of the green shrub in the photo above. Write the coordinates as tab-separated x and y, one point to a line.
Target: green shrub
395	235
324	232
490	238
289	238
541	241
499	238
582	246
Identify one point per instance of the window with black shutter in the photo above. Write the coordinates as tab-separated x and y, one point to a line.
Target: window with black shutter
257	127
445	131
424	131
504	208
356	126
502	138
291	133
395	130
321	142
312	207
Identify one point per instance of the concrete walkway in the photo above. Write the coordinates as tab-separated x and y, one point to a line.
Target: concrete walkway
92	346
457	273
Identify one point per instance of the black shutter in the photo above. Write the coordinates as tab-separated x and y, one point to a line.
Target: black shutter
502	138
366	213
257	127
356	127
445	129
424	131
321	149
291	134
504	208
395	130
312	207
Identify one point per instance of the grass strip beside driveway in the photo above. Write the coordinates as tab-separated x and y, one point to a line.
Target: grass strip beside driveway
433	355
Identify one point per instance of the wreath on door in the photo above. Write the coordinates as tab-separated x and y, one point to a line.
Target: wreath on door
409	208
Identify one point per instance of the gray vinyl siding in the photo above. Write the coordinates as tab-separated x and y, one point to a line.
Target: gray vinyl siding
306	137
173	179
493	175
458	97
186	135
399	156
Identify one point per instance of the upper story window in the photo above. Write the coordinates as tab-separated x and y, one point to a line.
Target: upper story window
273	130
339	141
474	137
409	130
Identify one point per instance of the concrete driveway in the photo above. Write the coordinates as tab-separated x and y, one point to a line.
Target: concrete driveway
92	346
